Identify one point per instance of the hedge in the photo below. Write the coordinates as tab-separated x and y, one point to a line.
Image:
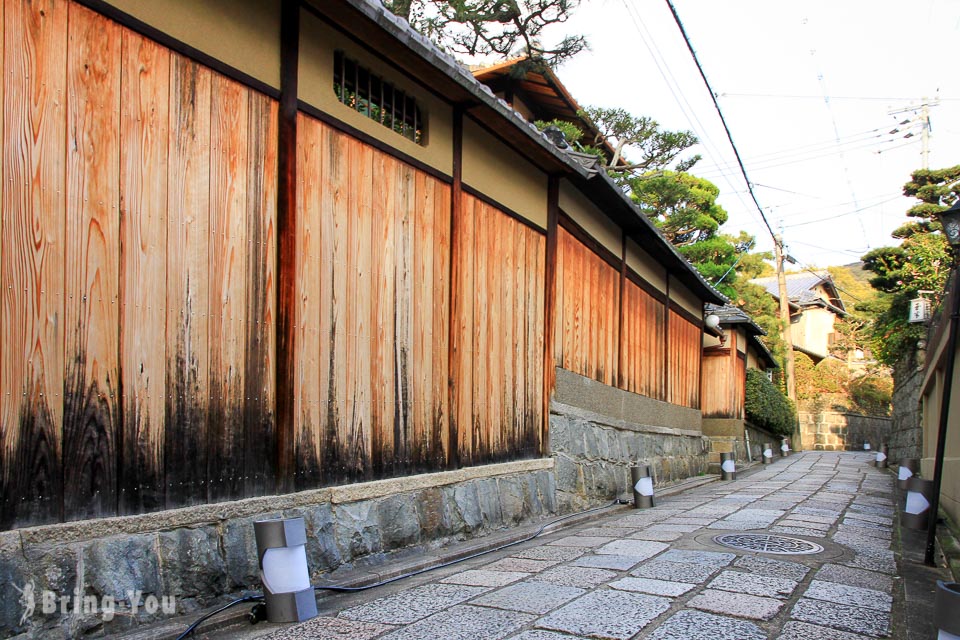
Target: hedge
767	407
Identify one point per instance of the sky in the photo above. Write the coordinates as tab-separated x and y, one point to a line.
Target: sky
807	89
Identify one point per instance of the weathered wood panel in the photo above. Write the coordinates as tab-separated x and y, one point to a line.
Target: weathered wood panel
740	387
717	391
643	341
92	319
144	108
588	308
259	422
188	302
498	355
33	39
683	360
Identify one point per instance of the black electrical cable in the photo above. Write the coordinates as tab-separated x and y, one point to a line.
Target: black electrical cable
259	597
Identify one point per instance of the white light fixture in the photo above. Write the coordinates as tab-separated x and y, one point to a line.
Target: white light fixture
784	449
642	486
866	446
767	453
917	509
881	461
728	466
908	468
712	321
282	556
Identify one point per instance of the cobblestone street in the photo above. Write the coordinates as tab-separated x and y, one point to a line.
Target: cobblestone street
661	574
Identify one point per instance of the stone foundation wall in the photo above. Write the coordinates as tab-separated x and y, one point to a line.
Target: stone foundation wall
906	436
834	431
758	437
200	555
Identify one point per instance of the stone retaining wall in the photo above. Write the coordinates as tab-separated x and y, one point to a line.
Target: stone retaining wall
201	554
906	437
835	431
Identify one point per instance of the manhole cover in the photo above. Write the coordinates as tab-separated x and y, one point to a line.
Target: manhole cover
766	543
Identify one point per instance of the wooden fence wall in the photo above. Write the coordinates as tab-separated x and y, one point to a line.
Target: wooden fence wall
646	350
724	375
138	266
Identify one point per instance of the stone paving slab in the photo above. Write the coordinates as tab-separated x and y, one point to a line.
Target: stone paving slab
845	594
674	571
607	561
560	554
710	558
413	604
774	568
585	542
738	605
331	628
798	531
521	564
618	615
529	597
842	616
794	630
464	622
660	536
574	576
485	578
884	562
539	634
753	584
640	549
855	577
653	587
697	625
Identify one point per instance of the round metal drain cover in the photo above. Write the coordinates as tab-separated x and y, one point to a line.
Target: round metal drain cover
766	543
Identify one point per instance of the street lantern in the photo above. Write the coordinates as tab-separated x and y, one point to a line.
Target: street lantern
950	221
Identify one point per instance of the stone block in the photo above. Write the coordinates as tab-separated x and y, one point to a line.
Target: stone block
512	503
357	529
191	563
323	554
398	521
433	514
14	578
114	566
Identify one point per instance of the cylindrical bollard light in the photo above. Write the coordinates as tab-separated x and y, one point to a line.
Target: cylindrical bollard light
881	461
282	556
642	486
909	467
917	510
767	453
728	466
866	446
784	449
946	610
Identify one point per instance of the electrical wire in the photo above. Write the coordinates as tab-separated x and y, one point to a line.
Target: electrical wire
259	596
723	120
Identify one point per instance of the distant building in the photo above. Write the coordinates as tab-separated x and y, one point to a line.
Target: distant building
815	306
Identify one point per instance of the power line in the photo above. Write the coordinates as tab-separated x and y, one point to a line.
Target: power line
812	97
840	215
713	97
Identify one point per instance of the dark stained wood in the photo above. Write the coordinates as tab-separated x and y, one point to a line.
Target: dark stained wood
454	300
33	38
550	309
261	439
144	104
228	292
304	347
287	244
187	317
92	390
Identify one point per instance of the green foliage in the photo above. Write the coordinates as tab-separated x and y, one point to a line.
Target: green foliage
684	207
500	28
829	376
767	406
872	394
921	263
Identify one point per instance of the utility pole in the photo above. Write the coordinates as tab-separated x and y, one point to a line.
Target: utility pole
925	128
787	334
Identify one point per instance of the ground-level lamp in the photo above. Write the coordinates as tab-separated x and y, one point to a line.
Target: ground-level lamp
767	453
642	486
950	221
282	556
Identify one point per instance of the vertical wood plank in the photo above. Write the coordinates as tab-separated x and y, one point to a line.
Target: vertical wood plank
228	292
481	400
462	339
383	268
260	436
188	231
509	230
540	412
440	412
455	293
423	321
145	102
33	39
404	336
309	311
522	309
495	222
359	313
91	385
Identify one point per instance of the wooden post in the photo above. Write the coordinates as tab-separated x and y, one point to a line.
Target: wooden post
457	291
286	242
550	302
623	286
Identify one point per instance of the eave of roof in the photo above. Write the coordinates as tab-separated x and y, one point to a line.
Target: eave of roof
370	21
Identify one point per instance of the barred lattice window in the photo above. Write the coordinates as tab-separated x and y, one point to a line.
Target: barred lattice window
369	94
